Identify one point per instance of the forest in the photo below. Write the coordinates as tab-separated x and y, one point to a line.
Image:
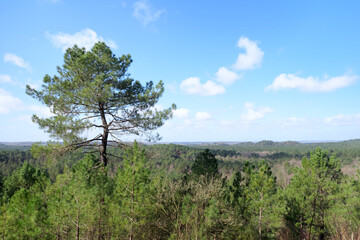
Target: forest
102	187
168	191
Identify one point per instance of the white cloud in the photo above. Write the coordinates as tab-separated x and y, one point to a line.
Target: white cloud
192	85
26	118
343	120
311	84
85	38
145	13
252	58
5	78
41	111
16	60
294	121
181	113
202	116
8	102
253	113
225	76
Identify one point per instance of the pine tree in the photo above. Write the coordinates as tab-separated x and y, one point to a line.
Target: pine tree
134	196
206	165
309	195
260	200
24	212
93	90
75	207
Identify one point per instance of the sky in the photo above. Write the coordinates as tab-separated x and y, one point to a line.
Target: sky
236	70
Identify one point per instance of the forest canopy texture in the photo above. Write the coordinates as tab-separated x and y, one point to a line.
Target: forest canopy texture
136	198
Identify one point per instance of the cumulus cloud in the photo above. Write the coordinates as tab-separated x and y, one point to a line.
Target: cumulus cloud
254	113
8	102
17	61
181	113
202	116
343	120
145	13
5	78
252	58
311	84
192	85
225	76
41	111
294	121
85	38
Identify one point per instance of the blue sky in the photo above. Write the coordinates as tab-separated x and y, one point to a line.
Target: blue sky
237	70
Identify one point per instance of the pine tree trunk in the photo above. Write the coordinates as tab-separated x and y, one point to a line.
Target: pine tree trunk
105	135
103	147
103	157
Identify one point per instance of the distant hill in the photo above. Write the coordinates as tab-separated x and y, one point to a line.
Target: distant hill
18	143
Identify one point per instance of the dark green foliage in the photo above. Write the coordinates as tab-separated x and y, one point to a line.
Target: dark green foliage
23	178
170	159
23	210
134	198
11	159
234	189
205	165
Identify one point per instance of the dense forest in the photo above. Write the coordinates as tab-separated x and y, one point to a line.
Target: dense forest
264	190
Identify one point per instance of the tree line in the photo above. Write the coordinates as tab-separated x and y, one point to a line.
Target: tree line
87	201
